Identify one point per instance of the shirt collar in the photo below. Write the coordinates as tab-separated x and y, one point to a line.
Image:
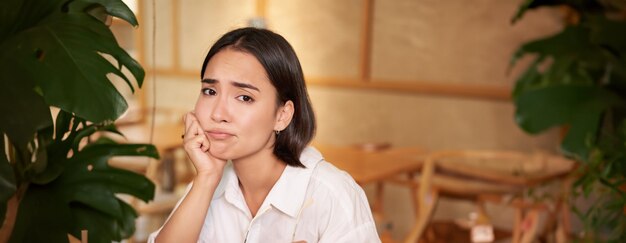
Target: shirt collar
288	193
228	182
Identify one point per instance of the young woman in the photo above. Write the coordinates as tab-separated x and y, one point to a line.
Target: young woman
257	181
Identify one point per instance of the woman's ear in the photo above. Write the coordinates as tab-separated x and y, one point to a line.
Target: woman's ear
284	116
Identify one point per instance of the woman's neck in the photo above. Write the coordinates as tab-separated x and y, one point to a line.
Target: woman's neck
257	175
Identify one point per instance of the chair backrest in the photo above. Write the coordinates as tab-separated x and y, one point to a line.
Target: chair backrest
470	173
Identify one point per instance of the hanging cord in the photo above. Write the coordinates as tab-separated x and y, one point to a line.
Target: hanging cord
151	169
141	223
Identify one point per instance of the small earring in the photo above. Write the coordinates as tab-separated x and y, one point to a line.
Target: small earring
277	132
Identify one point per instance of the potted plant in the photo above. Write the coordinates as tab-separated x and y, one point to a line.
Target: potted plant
54	176
578	81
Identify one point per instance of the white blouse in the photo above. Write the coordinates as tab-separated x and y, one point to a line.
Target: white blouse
319	203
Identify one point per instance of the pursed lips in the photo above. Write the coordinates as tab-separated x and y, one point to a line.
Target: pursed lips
218	134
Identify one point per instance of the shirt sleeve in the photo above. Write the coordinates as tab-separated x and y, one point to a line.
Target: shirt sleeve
153	235
349	217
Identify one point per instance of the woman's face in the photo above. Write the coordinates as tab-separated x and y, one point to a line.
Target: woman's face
237	107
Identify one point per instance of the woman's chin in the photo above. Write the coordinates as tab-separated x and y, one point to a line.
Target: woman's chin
220	153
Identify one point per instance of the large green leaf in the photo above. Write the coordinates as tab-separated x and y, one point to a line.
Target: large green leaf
91	183
591	52
93	128
8	15
115	8
85	191
24	111
104	201
54	55
63	56
18	15
564	70
102	227
44	169
582	134
58	55
57	149
41	217
572	41
95	157
127	223
542	108
580	106
608	33
118	9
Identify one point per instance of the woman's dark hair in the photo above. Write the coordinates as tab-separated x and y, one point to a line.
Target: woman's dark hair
284	71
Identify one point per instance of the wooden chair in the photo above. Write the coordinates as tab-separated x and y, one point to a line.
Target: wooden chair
492	176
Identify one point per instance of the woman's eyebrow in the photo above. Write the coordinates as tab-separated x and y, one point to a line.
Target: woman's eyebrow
245	86
209	81
236	84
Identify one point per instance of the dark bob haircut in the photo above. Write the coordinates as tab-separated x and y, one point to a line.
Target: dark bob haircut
284	71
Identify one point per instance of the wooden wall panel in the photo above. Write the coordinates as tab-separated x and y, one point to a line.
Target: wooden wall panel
326	34
462	42
202	22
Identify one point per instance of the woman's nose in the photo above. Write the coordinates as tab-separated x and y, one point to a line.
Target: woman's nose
220	112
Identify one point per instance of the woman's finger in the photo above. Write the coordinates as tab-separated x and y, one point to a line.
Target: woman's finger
194	127
193	143
201	142
205	143
187	121
198	128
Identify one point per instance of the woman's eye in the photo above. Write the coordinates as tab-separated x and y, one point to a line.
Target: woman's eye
245	98
208	91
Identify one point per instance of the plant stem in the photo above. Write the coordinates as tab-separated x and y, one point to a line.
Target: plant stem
9	220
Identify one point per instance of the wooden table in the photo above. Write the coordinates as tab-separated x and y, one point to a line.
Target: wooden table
367	166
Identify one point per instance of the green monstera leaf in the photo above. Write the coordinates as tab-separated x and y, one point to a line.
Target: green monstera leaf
58	53
581	106
61	53
578	82
83	197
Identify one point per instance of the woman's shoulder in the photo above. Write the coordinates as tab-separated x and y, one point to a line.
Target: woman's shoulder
334	189
328	177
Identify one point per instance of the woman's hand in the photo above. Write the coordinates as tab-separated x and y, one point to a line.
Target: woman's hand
187	219
197	146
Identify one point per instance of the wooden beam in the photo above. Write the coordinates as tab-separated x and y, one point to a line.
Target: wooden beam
175	34
366	39
139	46
261	8
139	33
481	91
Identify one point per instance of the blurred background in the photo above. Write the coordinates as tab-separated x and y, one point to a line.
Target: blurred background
431	74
